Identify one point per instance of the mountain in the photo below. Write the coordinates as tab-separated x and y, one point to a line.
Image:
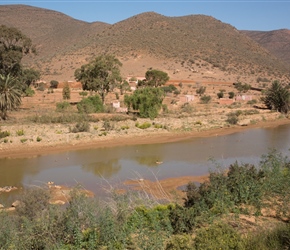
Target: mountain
276	41
194	47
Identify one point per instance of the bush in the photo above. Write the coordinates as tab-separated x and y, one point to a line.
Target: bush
29	92
62	106
81	127
232	119
148	101
143	126
66	92
218	236
4	134
91	104
20	132
201	90
231	95
205	99
179	242
53	84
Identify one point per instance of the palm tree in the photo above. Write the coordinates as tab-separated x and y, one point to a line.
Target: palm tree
10	95
277	98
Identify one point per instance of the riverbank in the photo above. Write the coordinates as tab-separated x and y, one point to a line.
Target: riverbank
48	139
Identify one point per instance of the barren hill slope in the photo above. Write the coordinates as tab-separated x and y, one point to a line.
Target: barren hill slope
190	47
276	41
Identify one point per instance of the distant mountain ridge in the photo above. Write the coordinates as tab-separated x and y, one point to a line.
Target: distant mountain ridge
197	45
276	41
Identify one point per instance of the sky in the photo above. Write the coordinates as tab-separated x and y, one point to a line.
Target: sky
242	14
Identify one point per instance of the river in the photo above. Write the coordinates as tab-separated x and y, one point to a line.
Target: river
96	168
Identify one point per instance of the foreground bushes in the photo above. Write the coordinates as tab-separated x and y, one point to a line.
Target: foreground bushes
135	221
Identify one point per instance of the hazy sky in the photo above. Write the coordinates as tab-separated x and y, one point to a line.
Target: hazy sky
244	15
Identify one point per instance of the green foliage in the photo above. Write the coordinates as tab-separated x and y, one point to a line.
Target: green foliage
242	87
38	139
231	95
143	125
10	95
20	132
54	84
232	118
201	90
91	104
251	102
62	106
66	92
220	94
81	127
205	99
179	242
13	45
186	108
4	134
218	236
147	101
33	202
29	77
83	93
100	75
169	89
277	98
154	78
29	92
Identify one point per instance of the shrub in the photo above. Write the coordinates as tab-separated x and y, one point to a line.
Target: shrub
38	139
83	93
220	94
179	242
205	99
231	95
218	236
91	104
81	127
201	90
148	101
143	126
62	106
54	84
254	101
4	134
232	119
32	202
20	132
66	92
29	92
186	108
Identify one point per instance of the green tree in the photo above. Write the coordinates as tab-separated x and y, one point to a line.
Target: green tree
28	77
242	87
154	78
10	95
66	92
101	75
91	104
148	101
277	98
54	84
13	45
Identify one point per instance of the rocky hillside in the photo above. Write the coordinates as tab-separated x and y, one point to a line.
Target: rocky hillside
194	47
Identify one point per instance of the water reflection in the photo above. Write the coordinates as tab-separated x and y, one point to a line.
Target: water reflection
104	169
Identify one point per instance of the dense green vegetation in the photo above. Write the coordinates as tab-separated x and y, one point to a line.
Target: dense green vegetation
209	218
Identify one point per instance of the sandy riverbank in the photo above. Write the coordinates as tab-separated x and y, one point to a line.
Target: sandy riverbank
58	139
